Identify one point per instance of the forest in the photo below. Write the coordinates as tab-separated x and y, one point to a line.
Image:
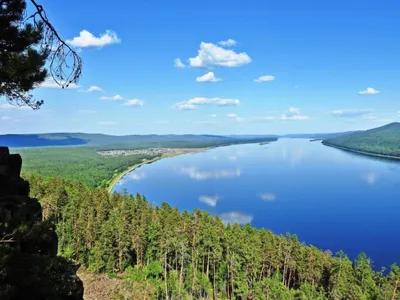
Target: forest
162	253
383	141
84	164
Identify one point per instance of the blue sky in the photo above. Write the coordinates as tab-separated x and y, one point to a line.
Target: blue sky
312	59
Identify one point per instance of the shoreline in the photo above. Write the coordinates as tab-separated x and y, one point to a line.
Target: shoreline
389	157
115	180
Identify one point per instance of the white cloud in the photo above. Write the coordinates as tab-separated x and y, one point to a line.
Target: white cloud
209	200
137	176
87	39
194	102
134	102
209	77
293	113
214	115
265	78
232	158
178	63
94	88
236	217
113	98
185	106
51	84
370	178
87	111
348	113
235	117
5	118
267	196
8	106
210	55
369	91
227	43
193	173
107	123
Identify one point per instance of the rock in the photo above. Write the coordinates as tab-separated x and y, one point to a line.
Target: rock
29	265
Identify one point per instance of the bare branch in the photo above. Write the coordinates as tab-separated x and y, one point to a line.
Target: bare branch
65	63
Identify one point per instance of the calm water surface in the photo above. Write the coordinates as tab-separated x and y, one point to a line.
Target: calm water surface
329	198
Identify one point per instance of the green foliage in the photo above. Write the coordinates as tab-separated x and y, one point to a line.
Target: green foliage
21	62
85	165
163	253
81	164
381	141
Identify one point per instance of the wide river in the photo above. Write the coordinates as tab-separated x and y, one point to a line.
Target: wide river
329	198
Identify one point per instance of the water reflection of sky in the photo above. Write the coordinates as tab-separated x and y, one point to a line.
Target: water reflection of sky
328	197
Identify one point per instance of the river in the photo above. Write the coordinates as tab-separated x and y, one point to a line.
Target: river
329	198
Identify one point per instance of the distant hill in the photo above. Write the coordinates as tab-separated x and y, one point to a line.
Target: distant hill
383	141
141	141
315	135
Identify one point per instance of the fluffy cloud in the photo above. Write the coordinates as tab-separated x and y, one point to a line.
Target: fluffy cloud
227	43
94	88
113	98
369	91
193	173
293	113
209	77
195	102
5	118
106	123
134	102
265	78
185	106
236	217
210	55
51	84
267	196
209	200
87	39
235	117
178	63
214	115
349	113
8	106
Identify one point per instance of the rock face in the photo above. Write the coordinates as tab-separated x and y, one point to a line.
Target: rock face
29	265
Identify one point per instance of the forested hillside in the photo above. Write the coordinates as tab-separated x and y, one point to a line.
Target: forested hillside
84	164
162	253
383	140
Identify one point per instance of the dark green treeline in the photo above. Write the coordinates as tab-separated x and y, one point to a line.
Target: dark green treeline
165	254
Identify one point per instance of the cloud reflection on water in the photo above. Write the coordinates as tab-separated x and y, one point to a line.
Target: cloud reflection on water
371	178
236	217
193	173
267	196
209	200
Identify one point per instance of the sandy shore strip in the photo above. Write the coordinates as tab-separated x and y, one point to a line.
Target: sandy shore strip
149	161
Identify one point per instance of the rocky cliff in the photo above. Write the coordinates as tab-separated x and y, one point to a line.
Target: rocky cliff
29	265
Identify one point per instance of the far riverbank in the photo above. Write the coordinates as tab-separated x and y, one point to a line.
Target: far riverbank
361	152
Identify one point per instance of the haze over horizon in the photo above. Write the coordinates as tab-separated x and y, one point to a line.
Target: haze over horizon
164	68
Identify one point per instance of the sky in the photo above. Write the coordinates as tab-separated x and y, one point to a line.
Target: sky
221	67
